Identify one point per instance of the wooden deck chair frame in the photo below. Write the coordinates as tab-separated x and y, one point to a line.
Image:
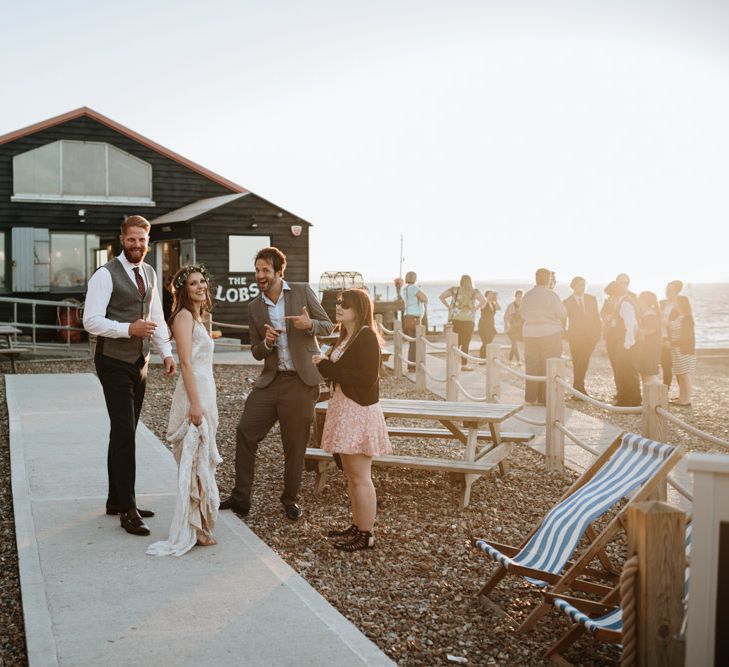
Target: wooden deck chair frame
570	579
590	607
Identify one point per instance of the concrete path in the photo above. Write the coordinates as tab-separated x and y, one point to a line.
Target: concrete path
593	432
90	594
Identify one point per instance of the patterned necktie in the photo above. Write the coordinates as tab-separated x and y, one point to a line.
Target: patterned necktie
140	282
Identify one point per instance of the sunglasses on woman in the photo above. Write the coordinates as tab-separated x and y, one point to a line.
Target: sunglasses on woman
341	303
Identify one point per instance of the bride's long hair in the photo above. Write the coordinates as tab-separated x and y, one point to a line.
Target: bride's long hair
181	295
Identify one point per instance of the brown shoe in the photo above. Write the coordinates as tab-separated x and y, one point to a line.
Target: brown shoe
133	524
113	510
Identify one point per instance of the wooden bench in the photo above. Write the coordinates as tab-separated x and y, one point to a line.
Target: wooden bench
408	431
13	353
324	461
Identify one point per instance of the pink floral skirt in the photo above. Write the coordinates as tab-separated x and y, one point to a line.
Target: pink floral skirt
351	428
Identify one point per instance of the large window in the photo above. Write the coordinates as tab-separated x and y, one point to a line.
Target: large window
73	258
81	172
242	252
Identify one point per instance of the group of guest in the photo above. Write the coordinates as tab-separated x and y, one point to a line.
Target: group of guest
464	302
640	335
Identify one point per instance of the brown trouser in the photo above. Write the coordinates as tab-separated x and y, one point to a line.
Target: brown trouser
290	402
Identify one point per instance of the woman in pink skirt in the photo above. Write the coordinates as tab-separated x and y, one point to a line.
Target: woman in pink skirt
355	426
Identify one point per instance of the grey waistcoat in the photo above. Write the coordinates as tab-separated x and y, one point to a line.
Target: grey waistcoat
126	305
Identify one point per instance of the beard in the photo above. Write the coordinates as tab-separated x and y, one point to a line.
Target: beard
135	256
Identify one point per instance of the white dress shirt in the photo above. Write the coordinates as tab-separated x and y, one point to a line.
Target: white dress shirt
277	315
627	313
98	295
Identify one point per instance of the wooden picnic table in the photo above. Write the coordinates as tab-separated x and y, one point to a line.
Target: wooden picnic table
8	332
462	422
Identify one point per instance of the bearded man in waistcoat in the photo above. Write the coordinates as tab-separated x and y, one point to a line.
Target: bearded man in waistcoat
124	311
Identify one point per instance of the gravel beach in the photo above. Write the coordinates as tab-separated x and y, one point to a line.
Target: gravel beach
414	595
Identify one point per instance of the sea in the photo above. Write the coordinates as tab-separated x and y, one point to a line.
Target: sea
710	303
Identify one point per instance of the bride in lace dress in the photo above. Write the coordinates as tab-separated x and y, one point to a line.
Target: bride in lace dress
193	418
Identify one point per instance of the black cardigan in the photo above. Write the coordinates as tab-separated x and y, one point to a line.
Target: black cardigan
357	370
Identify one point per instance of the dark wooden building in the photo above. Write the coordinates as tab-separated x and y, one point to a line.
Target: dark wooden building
67	183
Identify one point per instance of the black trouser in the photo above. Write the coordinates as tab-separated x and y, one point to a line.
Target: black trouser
627	380
487	335
124	385
514	351
290	402
536	353
410	330
464	329
580	351
667	365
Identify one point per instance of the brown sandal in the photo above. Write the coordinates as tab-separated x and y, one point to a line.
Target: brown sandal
349	531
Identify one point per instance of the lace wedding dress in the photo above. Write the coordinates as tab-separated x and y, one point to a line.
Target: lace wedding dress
196	454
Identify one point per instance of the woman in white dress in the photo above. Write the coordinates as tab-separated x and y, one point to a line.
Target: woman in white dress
193	420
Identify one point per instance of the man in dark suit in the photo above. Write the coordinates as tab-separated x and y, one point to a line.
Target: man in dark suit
583	330
284	321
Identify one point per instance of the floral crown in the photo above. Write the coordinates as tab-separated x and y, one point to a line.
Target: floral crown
182	277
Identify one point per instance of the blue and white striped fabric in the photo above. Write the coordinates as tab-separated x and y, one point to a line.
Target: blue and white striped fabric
614	619
633	463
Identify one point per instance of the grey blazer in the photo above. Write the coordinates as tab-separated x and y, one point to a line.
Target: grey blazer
302	344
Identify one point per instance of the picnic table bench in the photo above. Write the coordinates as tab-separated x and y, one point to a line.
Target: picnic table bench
11	350
472	417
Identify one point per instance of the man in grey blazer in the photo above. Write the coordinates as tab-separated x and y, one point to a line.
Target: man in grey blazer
284	321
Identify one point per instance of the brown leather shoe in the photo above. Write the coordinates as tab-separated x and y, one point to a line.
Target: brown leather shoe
133	524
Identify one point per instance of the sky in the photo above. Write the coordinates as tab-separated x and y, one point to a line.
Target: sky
495	136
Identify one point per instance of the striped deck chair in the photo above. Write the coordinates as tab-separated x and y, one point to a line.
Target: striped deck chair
631	467
603	620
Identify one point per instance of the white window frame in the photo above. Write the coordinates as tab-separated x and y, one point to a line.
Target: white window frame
30	197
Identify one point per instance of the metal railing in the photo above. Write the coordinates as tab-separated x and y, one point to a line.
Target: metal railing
70	307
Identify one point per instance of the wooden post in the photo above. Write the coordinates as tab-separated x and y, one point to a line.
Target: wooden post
453	363
654	425
378	320
554	449
421	381
657	534
397	348
493	372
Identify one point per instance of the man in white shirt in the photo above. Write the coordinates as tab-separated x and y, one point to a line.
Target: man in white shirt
622	339
123	310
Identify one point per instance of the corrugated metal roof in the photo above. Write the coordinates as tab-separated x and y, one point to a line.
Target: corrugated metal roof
196	209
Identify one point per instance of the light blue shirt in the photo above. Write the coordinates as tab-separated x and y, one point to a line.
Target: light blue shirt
277	315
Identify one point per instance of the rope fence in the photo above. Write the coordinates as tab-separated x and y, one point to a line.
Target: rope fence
691	429
471	397
469	357
519	374
617	409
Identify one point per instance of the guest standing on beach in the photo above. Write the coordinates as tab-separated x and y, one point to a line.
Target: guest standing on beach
608	313
486	324
544	315
463	302
673	289
193	421
583	330
514	325
683	349
622	340
649	324
355	426
412	315
124	311
284	321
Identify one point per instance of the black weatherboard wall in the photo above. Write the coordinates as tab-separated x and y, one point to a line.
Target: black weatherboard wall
176	183
211	232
